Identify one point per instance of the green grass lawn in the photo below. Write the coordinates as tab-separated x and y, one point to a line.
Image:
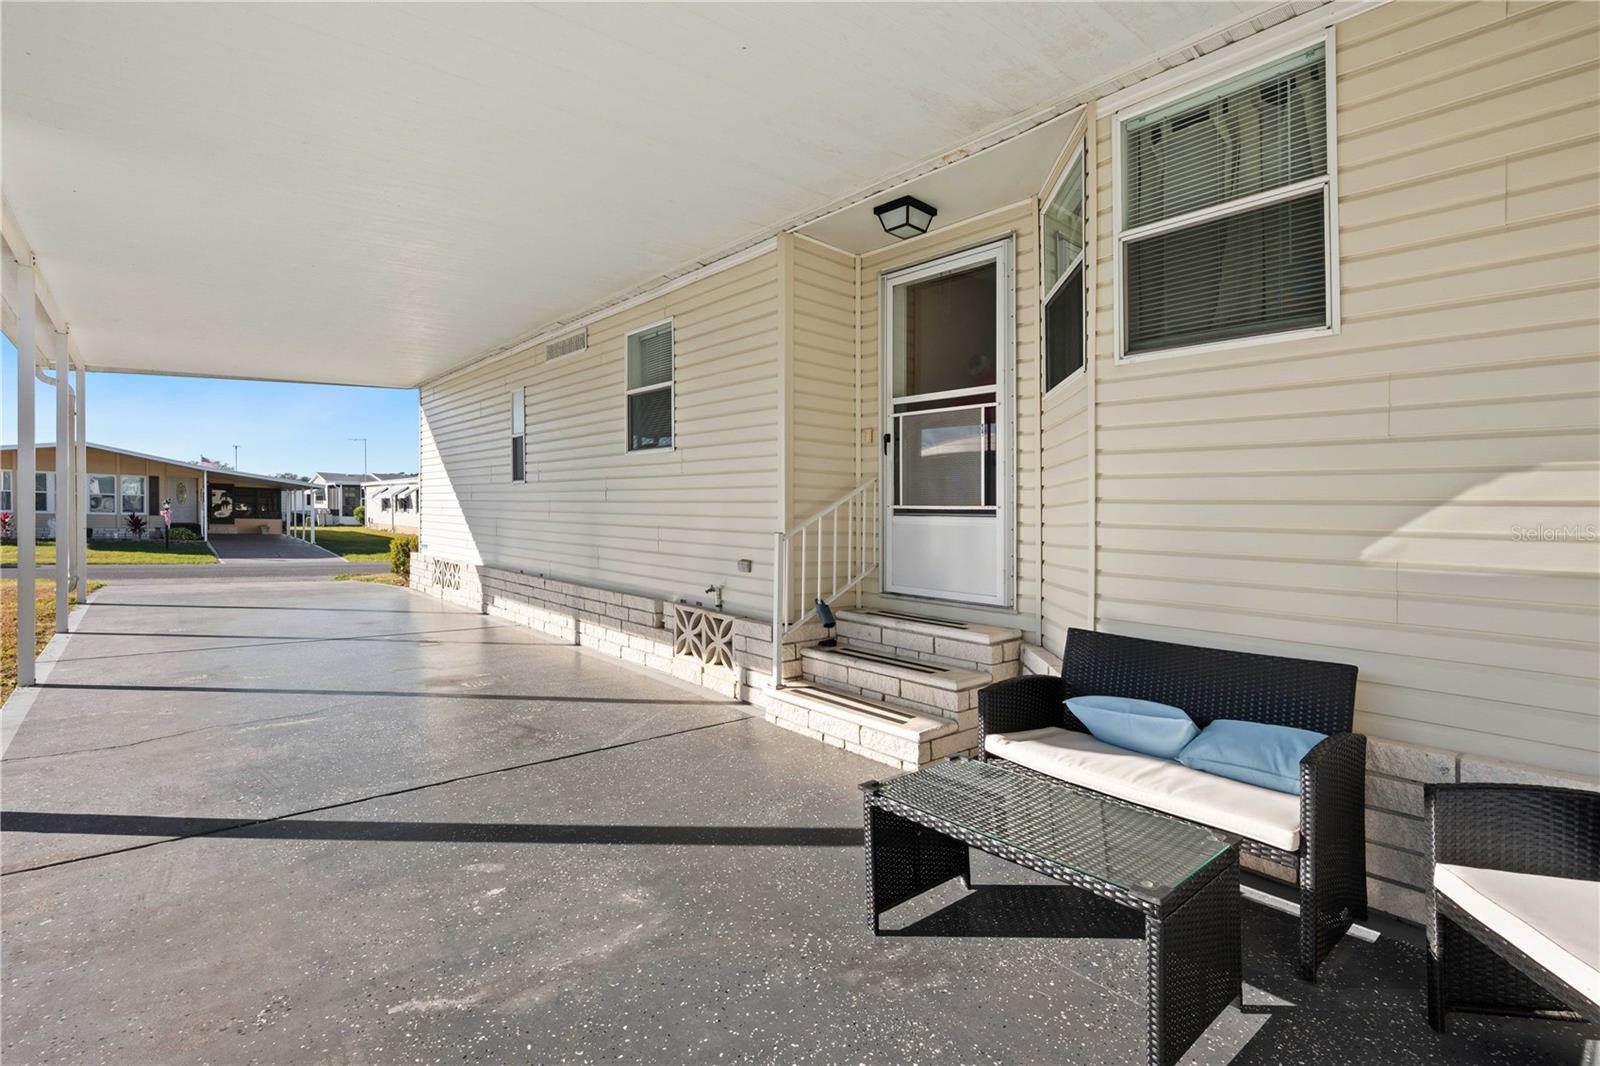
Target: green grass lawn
355	543
124	552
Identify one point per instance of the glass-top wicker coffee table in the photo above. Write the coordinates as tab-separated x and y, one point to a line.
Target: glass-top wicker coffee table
1183	878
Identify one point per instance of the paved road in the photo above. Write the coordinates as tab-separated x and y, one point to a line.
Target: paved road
330	821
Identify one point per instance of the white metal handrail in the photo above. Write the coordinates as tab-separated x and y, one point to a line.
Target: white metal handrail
816	559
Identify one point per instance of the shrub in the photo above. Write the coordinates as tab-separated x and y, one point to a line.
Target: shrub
179	533
360	514
400	549
136	524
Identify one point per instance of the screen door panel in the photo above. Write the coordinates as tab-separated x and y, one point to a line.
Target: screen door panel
946	353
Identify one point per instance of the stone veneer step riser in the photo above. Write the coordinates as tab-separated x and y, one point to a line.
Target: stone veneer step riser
988	650
906	747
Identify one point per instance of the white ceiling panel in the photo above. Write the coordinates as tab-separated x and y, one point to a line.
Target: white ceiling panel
375	193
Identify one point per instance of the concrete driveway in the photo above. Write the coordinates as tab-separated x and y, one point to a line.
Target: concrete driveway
266	546
317	821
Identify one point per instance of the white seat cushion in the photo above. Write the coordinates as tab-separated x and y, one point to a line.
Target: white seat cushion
1232	806
1553	920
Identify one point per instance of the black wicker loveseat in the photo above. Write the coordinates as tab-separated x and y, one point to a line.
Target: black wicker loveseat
1483	956
1211	684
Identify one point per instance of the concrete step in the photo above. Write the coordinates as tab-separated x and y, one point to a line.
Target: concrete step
934	689
892	735
968	645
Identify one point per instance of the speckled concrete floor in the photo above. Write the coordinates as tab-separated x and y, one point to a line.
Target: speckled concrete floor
455	841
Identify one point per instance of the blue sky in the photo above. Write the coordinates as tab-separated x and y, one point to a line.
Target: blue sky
279	428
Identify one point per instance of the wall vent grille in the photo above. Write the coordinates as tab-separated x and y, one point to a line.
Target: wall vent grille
571	344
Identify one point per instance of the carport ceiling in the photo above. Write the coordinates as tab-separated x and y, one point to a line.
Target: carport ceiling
375	193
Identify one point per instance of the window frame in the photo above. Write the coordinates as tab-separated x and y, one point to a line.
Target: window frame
7	503
671	384
144	494
1081	263
519	434
49	490
1328	183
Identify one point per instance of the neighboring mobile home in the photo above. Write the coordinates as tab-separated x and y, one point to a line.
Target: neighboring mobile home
391	502
1286	343
336	496
123	483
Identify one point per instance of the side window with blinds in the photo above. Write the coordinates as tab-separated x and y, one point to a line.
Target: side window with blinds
649	382
519	435
1062	245
1225	211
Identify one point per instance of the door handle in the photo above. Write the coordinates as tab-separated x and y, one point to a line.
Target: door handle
887	437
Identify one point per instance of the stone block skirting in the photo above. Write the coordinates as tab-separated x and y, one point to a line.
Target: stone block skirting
690	643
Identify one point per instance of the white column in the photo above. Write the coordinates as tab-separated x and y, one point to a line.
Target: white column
64	497
205	505
80	491
22	494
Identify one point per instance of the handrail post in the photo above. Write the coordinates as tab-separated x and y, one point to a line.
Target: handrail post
780	569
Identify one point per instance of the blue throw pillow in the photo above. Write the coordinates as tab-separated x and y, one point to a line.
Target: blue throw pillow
1138	725
1252	752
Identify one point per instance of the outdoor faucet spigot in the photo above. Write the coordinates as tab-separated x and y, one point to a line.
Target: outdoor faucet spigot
718	590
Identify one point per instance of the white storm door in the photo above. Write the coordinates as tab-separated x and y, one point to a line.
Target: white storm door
947	413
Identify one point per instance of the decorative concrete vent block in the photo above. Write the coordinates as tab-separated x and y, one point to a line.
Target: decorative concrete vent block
702	635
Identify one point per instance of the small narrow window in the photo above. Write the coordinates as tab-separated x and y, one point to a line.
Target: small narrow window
1063	249
1226	210
44	492
519	436
132	494
102	494
650	388
5	491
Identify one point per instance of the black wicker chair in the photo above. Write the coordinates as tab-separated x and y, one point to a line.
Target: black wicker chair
1210	683
1523	829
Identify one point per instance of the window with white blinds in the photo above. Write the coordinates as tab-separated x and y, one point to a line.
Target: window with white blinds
649	388
1225	211
519	434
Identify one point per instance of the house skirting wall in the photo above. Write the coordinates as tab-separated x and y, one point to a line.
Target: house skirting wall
726	654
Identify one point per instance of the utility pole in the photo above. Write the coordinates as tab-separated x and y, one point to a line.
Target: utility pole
363	441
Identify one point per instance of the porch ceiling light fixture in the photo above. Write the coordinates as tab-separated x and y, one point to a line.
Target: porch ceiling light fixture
905	217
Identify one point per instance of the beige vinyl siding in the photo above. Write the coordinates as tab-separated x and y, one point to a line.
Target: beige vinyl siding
667	522
1021	223
822	393
1356	497
1066	511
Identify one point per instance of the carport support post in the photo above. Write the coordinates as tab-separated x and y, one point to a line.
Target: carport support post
65	554
80	491
205	506
22	488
